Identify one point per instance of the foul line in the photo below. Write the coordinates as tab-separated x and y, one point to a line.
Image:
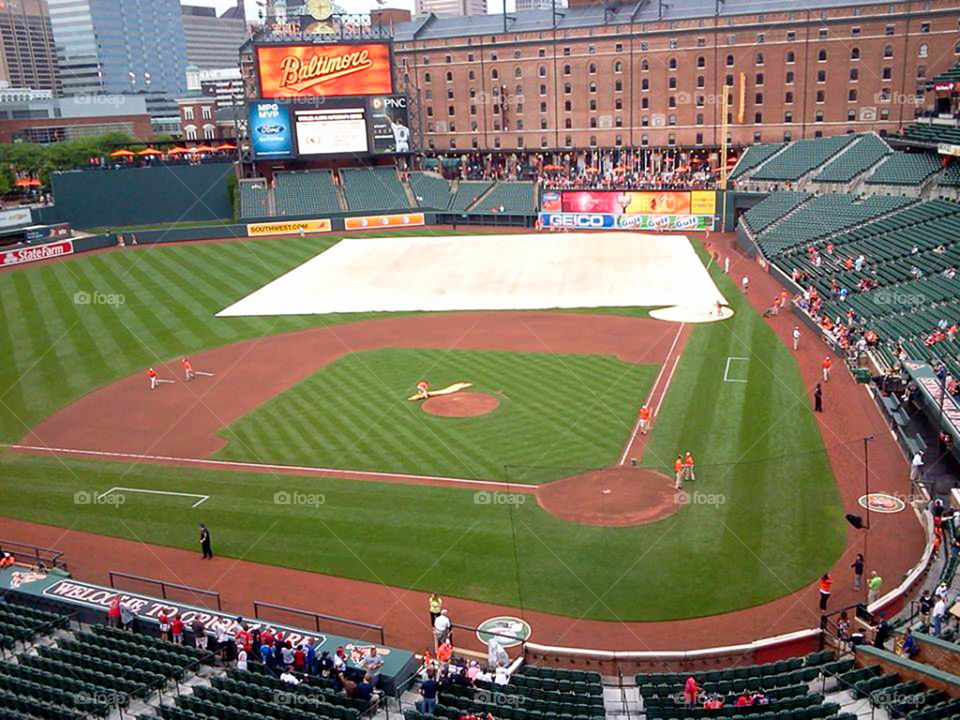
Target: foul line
331	472
664	394
653	389
156	492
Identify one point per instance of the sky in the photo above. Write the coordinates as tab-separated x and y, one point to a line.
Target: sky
357	6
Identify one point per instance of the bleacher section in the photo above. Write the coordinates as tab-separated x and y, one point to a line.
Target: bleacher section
467	193
772	208
800	158
373	189
513	197
534	693
951	178
754	155
305	193
866	152
254	198
904	169
933	133
431	190
825	215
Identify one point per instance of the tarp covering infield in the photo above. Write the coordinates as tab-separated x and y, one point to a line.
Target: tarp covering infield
490	272
91	602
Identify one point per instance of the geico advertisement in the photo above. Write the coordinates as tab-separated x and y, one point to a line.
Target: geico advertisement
605	221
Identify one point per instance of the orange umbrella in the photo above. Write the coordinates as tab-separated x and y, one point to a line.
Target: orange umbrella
552	168
619	170
202	148
149	151
177	150
592	170
225	146
122	153
28	182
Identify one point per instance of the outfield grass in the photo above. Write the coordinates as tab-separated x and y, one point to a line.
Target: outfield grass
779	527
354	414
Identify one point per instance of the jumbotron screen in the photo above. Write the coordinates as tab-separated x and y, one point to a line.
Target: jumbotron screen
336	70
287	129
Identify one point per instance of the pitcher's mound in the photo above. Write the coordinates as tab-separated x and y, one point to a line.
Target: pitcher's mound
461	404
615	497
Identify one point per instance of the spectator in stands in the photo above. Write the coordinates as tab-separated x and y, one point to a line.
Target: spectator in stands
373	663
429	691
690	692
288	677
225	647
267	655
843	630
882	633
127	616
339	660
444	655
326	664
348	686
241	657
244	637
310	656
113	612
287	655
176	629
910	647
501	675
925	605
365	689
164	623
6	559
199	631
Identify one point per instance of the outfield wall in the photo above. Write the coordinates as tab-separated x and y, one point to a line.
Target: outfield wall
140	196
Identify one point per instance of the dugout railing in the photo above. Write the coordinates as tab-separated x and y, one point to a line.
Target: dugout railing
34	554
377	630
164	586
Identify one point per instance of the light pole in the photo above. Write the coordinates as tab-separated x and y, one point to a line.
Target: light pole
855	520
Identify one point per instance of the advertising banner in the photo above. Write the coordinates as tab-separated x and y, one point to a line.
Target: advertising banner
607	221
17	216
271	135
389	124
45	232
324	70
291	227
703	202
550	201
369	221
631	202
37	252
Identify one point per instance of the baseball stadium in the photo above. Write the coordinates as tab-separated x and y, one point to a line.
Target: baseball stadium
331	419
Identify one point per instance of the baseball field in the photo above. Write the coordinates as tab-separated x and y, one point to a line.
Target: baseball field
302	450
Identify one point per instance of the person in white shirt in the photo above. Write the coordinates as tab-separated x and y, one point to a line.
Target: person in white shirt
289	678
745	283
501	676
915	466
441	627
939	610
796	337
241	657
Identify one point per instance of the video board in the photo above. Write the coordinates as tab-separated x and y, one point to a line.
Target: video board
331	70
631	202
308	128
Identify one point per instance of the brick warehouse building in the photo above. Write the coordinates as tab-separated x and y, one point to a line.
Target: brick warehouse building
643	74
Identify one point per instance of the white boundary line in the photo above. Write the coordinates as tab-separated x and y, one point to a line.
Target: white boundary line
653	389
665	387
156	492
727	370
373	474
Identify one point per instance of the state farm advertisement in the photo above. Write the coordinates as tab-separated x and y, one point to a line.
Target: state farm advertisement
324	70
8	258
633	202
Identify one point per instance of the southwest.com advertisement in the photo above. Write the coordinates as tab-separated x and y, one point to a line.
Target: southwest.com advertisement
271	135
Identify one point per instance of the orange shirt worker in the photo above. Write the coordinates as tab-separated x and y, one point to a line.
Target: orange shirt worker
678	469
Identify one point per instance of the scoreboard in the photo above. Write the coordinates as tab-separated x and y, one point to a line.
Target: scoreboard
327	99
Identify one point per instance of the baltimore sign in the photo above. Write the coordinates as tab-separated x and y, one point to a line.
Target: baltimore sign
324	70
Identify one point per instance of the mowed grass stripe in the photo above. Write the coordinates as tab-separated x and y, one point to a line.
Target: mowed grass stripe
358	417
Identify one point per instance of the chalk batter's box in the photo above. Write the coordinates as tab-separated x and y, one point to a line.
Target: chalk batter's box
60	593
